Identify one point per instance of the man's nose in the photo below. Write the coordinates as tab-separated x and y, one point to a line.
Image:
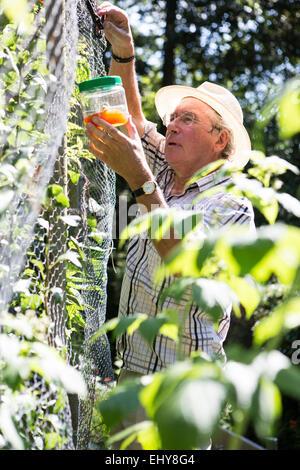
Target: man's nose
173	125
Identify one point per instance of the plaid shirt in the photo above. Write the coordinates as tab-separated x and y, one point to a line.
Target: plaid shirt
140	294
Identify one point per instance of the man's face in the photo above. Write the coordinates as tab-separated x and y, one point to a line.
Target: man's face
192	145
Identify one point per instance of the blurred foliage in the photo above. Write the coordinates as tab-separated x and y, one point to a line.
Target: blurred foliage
33	386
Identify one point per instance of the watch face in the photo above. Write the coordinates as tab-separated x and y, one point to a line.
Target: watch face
149	187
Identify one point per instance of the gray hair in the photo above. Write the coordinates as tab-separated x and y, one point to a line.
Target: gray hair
221	125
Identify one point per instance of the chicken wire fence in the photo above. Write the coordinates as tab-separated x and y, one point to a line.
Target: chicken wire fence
55	236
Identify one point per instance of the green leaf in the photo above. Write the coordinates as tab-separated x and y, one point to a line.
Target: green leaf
170	330
286	316
43	223
269	210
32	301
284	258
123	401
273	250
207	169
164	383
268	327
97	236
72	220
206	250
8	428
186	222
5	199
128	435
129	324
70	256
171	326
177	289
246	292
267	407
16	11
244	380
25	125
289	111
149	437
8	36
57	294
119	325
150	393
128	440
194	409
248	252
292	313
56	192
52	440
160	223
39	265
183	259
11	375
74	176
290	203
288	380
275	165
50	365
149	328
264	199
213	297
137	226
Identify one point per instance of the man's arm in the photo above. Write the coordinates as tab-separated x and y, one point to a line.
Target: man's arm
118	33
125	156
154	201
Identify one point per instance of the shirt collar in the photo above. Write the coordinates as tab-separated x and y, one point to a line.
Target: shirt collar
203	183
210	180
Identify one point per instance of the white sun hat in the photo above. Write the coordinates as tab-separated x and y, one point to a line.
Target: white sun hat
222	101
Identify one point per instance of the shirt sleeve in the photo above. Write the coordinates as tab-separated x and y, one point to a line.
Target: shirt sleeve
153	144
221	212
229	211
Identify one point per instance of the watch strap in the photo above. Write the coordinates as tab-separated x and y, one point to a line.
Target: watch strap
138	192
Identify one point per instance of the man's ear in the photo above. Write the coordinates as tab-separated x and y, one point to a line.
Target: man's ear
222	139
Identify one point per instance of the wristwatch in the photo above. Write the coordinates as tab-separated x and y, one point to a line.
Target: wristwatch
148	188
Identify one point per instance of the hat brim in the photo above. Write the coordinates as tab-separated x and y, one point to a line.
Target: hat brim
167	98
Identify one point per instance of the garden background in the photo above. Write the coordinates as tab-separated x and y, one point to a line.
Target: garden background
251	47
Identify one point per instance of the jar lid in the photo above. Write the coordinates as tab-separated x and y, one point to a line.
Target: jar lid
100	82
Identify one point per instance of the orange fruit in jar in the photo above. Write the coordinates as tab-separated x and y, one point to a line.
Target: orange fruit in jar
115	117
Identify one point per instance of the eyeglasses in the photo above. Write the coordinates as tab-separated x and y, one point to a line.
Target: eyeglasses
187	119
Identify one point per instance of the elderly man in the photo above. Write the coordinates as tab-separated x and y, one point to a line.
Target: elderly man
204	124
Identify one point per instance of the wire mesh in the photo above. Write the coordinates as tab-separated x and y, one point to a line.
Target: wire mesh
35	232
97	202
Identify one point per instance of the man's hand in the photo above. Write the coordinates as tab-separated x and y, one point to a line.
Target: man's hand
126	157
123	154
117	29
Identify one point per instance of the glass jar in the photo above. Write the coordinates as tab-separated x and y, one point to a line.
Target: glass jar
104	97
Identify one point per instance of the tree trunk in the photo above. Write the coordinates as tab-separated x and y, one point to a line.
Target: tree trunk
170	43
